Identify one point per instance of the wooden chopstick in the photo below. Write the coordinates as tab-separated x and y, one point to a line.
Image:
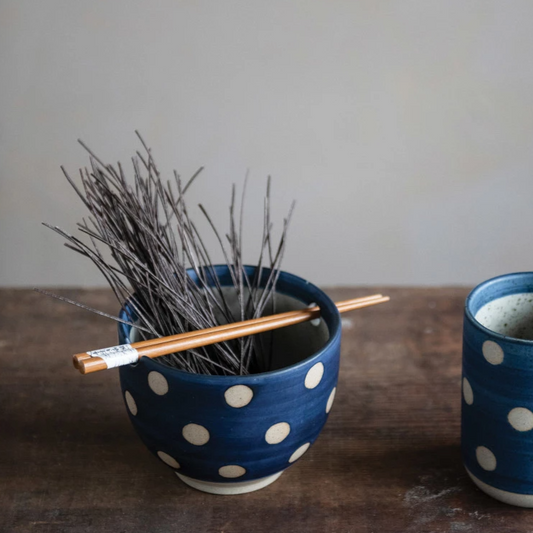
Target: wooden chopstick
92	362
78	358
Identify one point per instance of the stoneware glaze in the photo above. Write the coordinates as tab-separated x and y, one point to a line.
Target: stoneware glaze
497	389
236	434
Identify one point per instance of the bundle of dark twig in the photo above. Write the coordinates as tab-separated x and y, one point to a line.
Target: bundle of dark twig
152	240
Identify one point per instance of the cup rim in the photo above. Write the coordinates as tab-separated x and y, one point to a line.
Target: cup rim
325	301
474	293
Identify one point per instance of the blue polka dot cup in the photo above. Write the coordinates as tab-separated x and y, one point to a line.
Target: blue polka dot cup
236	434
497	388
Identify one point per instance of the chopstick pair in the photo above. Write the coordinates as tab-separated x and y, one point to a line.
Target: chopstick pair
124	354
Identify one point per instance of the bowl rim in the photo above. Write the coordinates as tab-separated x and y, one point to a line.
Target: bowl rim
475	292
326	303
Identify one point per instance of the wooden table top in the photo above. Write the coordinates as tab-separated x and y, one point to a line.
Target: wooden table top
388	459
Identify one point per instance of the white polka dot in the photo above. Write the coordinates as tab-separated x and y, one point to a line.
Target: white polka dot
238	396
130	402
158	383
314	376
330	400
521	419
299	452
315	321
232	471
170	461
468	393
277	433
195	434
492	352
485	458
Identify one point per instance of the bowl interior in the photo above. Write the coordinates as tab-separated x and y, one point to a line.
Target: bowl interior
283	347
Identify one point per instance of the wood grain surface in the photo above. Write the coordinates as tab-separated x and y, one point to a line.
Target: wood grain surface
388	459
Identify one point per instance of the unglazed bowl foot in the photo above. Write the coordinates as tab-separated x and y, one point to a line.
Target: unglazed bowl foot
240	487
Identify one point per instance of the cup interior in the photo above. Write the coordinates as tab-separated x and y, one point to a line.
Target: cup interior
504	305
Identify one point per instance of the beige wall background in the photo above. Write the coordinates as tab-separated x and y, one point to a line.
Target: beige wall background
403	129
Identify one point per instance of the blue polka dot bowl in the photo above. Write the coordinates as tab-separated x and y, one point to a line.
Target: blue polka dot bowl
497	388
236	434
